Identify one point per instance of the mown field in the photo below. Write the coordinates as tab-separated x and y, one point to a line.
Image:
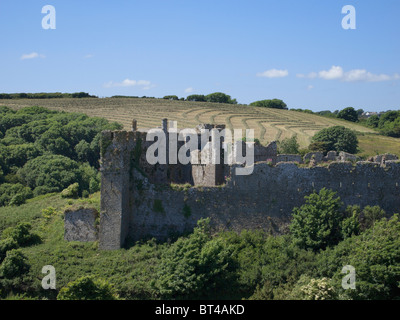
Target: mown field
268	124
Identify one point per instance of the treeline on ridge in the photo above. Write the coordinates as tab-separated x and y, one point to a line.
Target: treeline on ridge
45	95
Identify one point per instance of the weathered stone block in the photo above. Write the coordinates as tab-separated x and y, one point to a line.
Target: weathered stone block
331	156
80	224
344	156
316	156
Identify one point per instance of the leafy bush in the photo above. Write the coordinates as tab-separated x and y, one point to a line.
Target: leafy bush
317	224
88	288
7	245
14	194
337	138
289	146
21	234
71	192
14	264
349	114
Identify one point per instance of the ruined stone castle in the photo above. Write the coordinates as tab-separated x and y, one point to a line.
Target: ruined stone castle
140	201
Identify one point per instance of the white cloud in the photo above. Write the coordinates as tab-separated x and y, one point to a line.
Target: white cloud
364	75
310	87
335	72
32	55
88	56
354	75
189	90
144	84
273	73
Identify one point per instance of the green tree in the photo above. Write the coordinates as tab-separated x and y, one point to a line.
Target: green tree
219	97
338	138
318	223
88	288
7	245
14	264
171	97
196	97
289	146
274	103
373	121
388	117
52	172
349	114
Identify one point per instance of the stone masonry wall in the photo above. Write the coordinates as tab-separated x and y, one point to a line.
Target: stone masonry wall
263	200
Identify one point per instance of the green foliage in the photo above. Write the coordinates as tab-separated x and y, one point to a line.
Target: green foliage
317	224
387	118
220	97
50	95
349	114
171	97
338	138
14	194
53	172
370	215
197	266
7	245
289	146
321	146
14	264
274	103
351	224
71	192
46	151
88	288
375	255
373	121
21	234
196	97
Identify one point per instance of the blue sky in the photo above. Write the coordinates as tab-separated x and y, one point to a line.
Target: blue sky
252	50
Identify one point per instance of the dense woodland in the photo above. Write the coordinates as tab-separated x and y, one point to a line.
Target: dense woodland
43	151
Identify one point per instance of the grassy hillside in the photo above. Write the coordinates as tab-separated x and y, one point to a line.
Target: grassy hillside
269	124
